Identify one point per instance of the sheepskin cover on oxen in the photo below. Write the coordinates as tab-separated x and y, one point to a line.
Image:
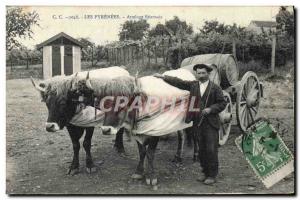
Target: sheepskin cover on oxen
161	118
101	77
60	85
165	108
98	78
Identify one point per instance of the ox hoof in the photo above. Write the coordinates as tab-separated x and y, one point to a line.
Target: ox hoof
148	181
91	170
152	182
73	172
137	176
155	187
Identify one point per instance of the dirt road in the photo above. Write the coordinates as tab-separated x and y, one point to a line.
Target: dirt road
37	161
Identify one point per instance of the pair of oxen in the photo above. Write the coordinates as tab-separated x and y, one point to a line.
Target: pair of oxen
65	95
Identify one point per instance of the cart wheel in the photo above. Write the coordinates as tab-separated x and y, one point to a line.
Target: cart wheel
226	119
248	98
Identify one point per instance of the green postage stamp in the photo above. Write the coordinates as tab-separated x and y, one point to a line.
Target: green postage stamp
266	153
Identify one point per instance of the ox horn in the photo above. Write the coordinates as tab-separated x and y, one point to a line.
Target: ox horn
137	89
88	81
39	88
136	77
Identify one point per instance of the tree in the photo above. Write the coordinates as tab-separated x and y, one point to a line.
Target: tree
25	55
158	30
19	25
285	21
171	27
176	25
134	30
88	50
221	28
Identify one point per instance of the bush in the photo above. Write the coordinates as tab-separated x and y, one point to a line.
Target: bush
249	47
255	66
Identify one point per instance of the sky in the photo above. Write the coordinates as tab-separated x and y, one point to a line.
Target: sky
102	24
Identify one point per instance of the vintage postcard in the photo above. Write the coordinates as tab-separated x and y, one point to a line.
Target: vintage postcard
137	100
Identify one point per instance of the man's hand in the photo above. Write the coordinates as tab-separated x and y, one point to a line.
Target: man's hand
206	111
157	75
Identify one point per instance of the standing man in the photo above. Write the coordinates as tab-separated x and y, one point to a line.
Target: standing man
206	102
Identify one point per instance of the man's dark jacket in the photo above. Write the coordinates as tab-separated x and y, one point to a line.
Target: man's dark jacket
215	101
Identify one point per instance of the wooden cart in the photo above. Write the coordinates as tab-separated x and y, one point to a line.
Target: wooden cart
245	94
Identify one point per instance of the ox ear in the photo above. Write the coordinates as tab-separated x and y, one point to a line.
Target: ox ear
88	81
38	87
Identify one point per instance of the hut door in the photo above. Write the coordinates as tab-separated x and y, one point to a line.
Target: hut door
68	60
56	61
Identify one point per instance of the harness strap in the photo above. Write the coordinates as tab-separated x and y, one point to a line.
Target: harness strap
137	94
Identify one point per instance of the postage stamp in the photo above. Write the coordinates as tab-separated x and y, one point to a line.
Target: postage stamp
266	153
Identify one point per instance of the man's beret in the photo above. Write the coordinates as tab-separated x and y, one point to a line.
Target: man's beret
201	66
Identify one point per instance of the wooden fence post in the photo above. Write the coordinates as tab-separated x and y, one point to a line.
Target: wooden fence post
179	54
11	64
137	55
117	56
148	54
234	48
114	56
92	55
273	54
155	52
167	53
116	50
107	55
120	56
111	55
143	55
163	50
27	64
132	54
124	55
128	54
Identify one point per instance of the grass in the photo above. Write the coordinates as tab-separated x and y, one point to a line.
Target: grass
20	72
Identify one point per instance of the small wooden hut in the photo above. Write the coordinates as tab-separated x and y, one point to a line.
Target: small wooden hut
61	55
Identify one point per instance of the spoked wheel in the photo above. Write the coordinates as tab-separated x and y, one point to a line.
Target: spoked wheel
248	98
225	119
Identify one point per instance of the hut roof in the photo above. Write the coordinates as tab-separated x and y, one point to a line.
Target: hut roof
60	35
